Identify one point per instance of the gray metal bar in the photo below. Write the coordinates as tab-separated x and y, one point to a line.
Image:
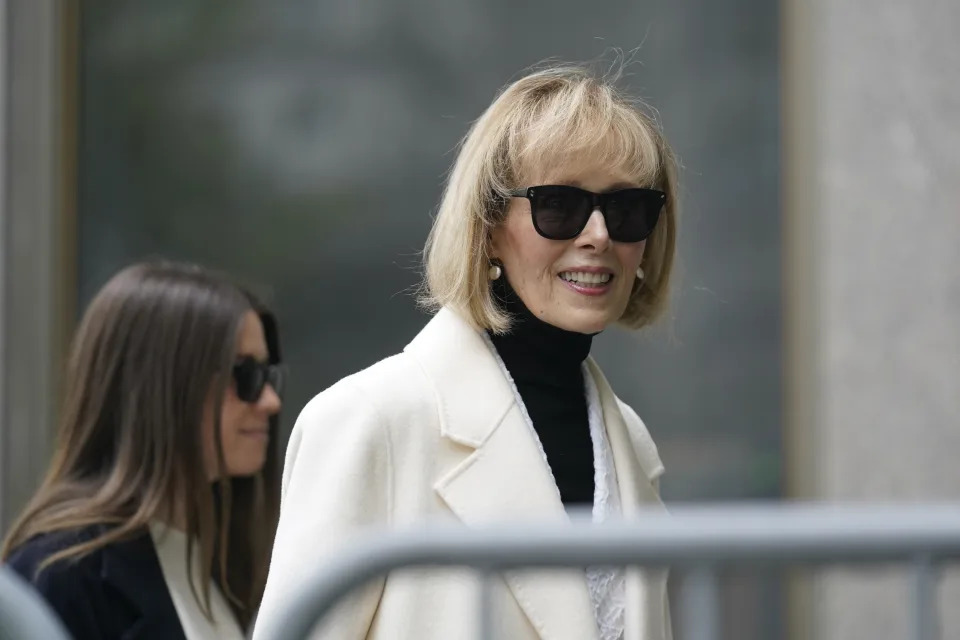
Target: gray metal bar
925	614
699	604
24	615
687	537
487	608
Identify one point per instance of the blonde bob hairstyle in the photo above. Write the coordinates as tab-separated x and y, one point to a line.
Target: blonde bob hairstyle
544	121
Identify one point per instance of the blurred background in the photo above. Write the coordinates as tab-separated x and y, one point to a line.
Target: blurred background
302	146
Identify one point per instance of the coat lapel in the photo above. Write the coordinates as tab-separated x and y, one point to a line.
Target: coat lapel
133	569
638	467
503	477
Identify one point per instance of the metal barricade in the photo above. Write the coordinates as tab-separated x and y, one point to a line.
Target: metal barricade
24	615
696	540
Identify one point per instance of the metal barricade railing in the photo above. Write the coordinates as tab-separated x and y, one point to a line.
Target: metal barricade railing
24	615
697	540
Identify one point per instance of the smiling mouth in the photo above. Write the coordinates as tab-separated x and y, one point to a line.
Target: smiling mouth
584	279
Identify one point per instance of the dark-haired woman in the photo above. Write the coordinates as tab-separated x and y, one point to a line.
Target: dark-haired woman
156	517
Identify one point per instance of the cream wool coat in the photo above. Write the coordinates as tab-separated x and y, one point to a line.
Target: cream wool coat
435	434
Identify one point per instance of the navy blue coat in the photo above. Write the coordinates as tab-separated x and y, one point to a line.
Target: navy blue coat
115	593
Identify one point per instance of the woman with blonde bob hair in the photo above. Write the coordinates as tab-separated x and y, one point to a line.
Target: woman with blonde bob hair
558	220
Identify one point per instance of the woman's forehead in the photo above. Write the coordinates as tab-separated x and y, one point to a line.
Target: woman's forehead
250	338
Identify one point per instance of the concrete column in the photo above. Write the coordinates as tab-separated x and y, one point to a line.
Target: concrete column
872	186
35	235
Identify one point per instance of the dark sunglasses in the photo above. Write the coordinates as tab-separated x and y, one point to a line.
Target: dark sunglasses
252	376
561	212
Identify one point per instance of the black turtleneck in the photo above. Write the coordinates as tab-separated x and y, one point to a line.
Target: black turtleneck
545	364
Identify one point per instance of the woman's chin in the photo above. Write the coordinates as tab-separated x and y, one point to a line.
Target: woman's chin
587	321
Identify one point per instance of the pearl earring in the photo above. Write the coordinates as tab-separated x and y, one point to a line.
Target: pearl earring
639	273
495	272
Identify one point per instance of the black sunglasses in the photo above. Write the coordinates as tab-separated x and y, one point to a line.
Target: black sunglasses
561	212
252	376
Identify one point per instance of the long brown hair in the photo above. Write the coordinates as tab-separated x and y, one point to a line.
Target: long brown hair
150	348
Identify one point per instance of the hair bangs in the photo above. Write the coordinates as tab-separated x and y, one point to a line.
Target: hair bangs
585	124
